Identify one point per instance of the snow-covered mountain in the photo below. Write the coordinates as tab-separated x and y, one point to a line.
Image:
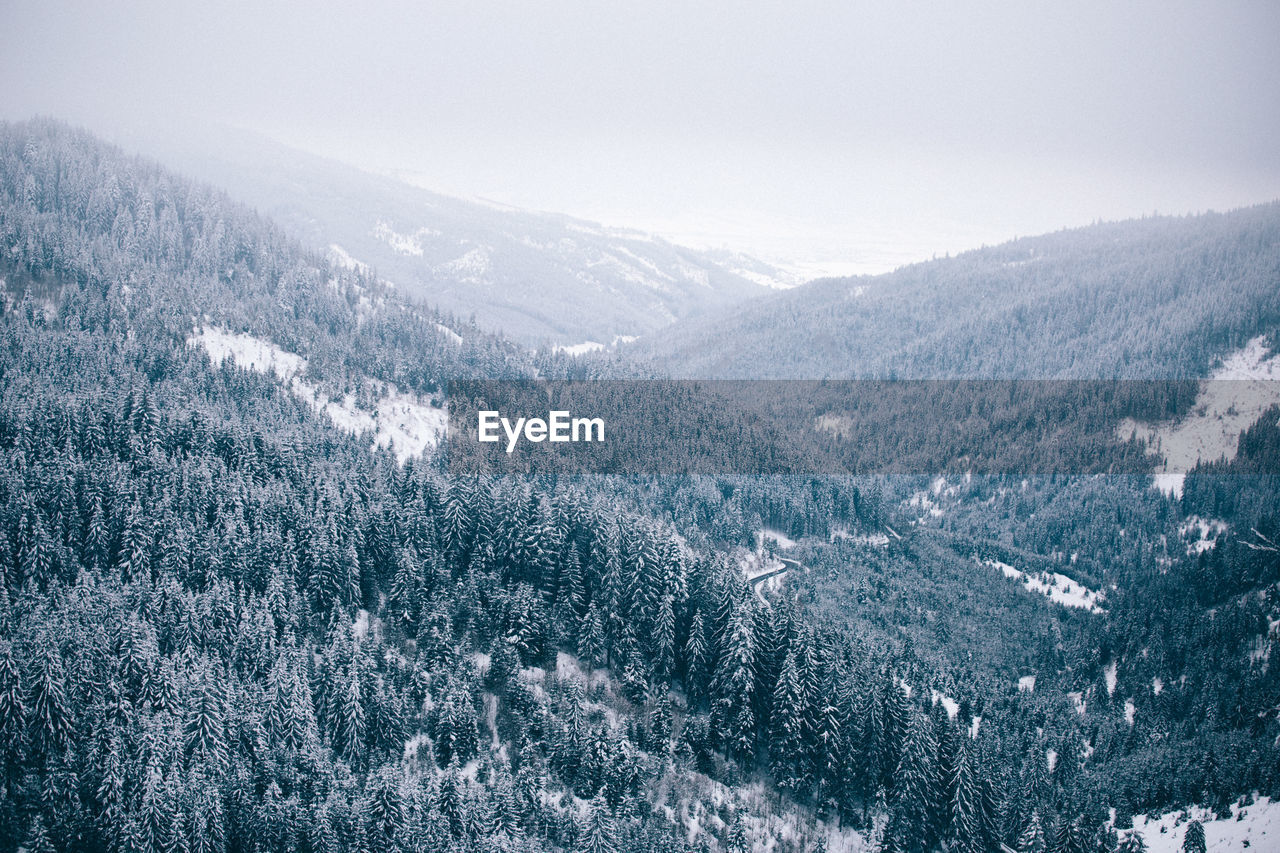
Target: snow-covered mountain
535	276
1155	297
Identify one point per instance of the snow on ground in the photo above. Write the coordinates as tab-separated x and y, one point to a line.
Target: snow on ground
480	662
449	333
471	265
413	744
781	540
1027	683
926	504
1231	399
339	256
1261	651
576	350
1254	828
951	706
1170	482
248	351
360	627
760	562
1058	588
569	668
1077	701
874	540
1110	675
755	564
702	804
1205	531
400	421
585	347
1130	711
404	244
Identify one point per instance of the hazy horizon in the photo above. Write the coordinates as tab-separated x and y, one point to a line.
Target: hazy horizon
813	136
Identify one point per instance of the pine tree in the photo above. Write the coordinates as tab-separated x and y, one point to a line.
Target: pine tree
734	685
912	823
695	661
573	588
591	640
1132	842
405	600
1194	841
12	708
786	735
385	809
206	719
38	840
1032	840
351	717
599	835
664	636
49	712
966	813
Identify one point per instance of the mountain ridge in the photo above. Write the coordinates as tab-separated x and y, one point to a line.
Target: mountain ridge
1148	298
535	276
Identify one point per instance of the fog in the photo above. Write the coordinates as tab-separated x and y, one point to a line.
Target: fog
832	134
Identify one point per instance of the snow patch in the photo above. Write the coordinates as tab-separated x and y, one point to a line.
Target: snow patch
449	333
874	540
1027	683
470	266
576	350
781	540
400	421
1205	531
339	256
951	706
1254	827
413	744
1058	588
1230	400
405	244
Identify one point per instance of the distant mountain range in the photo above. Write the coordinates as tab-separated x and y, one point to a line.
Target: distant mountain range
1151	298
537	277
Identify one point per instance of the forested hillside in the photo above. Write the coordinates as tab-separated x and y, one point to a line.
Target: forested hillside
1143	299
535	276
229	624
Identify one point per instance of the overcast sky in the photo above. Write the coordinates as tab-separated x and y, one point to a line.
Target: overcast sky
836	133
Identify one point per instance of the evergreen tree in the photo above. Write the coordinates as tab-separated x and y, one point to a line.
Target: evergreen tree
1193	841
1132	842
599	833
967	818
786	734
1032	839
913	826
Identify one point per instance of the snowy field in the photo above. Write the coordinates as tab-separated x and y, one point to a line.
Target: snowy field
1058	588
1232	399
1255	828
400	421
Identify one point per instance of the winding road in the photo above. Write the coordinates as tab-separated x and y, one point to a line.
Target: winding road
788	565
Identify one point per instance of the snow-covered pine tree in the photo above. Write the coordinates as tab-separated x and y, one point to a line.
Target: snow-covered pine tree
786	728
915	804
598	835
1194	841
967	822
